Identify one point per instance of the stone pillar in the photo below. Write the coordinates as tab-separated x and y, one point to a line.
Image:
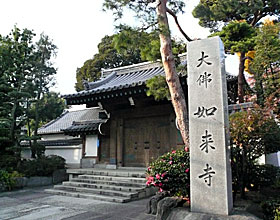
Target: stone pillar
211	184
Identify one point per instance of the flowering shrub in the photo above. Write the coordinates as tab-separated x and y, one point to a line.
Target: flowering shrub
171	173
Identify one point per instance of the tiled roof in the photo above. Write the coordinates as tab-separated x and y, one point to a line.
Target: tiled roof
66	120
240	107
82	127
60	142
122	77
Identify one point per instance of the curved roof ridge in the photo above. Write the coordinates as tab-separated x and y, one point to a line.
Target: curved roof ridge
131	68
95	84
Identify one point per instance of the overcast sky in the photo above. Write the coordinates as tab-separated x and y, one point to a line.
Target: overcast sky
76	27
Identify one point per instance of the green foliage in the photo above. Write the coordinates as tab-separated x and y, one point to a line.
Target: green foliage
254	131
263	176
8	162
237	37
144	9
171	173
50	107
266	63
158	88
43	166
107	57
271	209
212	13
7	180
128	46
26	73
130	40
147	43
253	134
17	64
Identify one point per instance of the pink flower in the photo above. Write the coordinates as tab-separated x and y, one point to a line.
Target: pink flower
174	151
160	184
150	180
187	170
160	189
162	175
170	162
186	149
149	168
158	176
170	158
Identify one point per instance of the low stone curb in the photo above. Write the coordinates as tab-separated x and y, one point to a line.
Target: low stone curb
185	214
169	208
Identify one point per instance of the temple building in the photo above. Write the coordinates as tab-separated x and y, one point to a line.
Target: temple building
138	128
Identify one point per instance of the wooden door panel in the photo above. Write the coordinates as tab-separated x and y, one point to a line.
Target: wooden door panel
145	139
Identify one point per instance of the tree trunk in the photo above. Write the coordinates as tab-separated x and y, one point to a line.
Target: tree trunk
36	126
13	123
241	78
172	79
243	173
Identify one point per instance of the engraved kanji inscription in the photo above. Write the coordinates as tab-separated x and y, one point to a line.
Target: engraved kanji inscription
206	142
207	175
204	79
202	59
205	112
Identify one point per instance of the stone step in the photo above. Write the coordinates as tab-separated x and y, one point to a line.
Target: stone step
107	182
106	192
114	178
121	185
88	196
116	173
104	186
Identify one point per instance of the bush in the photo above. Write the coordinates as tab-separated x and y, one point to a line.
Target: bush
263	176
271	209
8	162
43	166
7	180
171	173
253	133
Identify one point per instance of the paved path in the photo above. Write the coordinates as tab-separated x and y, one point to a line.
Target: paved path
34	203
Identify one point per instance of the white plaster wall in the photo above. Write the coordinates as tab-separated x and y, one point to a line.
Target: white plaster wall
273	159
261	160
72	154
26	153
91	146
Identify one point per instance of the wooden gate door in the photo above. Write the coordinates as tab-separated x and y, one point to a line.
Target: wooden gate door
145	139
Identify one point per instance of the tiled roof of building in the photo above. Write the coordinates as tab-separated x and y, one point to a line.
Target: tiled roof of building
124	77
66	120
85	127
240	107
59	142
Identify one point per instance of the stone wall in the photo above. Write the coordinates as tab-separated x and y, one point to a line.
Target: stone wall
57	177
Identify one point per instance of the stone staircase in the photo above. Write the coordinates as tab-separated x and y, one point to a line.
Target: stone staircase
121	185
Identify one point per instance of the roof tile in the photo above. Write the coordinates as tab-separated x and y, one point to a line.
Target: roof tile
67	118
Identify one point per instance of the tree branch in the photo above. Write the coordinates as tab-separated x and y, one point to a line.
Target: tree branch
177	23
